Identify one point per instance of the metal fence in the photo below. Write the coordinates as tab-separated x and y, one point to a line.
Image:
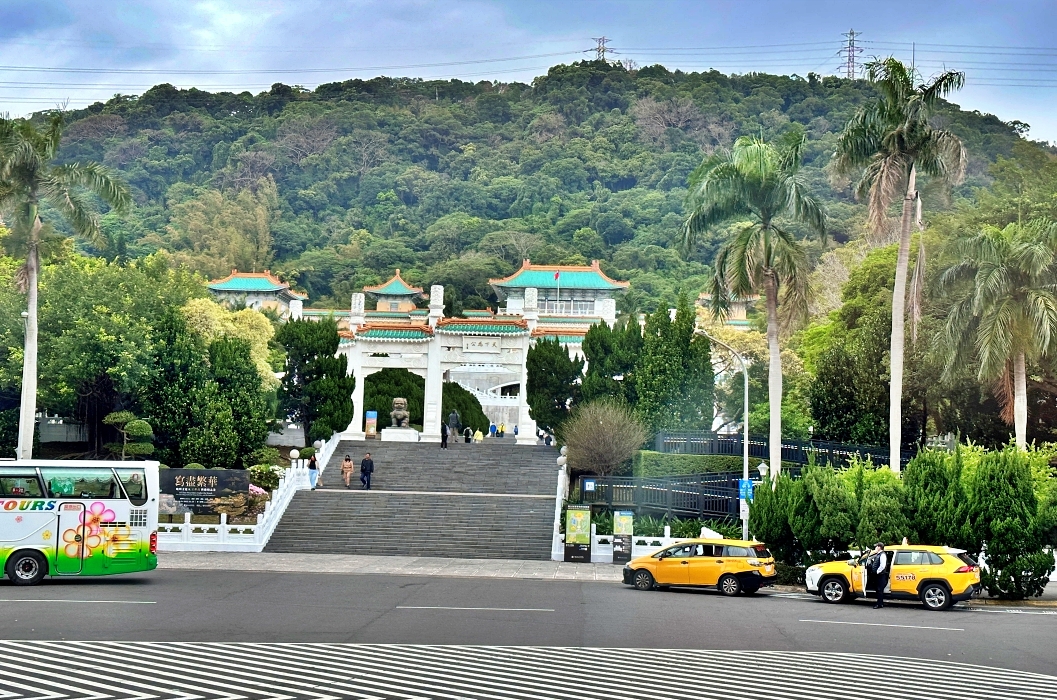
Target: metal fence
795	451
700	496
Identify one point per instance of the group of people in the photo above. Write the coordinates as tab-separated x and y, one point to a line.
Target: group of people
454	428
366	469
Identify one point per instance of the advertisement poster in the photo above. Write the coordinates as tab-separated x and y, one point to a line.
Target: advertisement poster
184	490
623	529
372	424
578	533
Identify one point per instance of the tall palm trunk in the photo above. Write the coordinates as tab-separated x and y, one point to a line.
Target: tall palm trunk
899	297
27	416
1020	401
774	376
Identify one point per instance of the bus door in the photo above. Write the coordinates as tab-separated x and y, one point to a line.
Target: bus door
70	554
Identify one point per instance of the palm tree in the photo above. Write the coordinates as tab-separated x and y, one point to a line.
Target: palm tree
29	179
892	140
1005	308
761	182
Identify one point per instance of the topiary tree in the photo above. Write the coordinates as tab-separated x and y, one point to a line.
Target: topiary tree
602	436
136	435
553	382
470	412
212	440
822	513
881	516
316	390
936	505
769	521
1004	515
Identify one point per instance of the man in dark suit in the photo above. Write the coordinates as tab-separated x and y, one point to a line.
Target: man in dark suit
366	469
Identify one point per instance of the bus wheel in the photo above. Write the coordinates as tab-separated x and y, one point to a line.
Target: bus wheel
27	568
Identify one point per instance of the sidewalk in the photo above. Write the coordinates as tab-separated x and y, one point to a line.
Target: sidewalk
405	566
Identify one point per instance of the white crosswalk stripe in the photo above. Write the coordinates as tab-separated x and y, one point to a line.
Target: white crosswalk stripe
35	670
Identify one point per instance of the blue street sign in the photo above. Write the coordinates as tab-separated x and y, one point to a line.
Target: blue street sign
589	484
745	489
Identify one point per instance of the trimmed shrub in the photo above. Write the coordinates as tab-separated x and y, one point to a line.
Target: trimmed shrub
649	463
789	575
1004	514
769	520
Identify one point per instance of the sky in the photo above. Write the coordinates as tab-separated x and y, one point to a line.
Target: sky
75	52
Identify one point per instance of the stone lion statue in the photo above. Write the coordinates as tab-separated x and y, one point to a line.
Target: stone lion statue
399	413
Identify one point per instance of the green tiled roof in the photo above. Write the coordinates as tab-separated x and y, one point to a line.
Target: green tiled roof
477	314
570	339
573	320
394	287
386	314
323	312
585	278
483	328
419	312
246	284
393	334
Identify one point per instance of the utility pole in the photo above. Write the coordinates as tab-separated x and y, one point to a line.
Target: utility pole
850	53
601	48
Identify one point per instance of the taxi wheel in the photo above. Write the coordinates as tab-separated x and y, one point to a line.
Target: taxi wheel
935	596
643	580
729	585
834	590
27	568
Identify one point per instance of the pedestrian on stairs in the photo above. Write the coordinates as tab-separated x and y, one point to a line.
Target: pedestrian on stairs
467	435
491	430
478	437
444	430
346	470
454	421
366	469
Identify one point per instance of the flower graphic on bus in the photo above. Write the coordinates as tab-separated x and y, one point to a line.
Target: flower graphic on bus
117	539
77	537
95	514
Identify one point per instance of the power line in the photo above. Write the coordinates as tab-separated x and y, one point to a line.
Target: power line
850	53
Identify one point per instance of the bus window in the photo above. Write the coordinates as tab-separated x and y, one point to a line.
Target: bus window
135	483
17	481
80	483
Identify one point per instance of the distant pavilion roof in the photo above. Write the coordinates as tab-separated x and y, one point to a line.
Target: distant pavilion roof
478	313
395	287
569	336
253	282
480	326
569	277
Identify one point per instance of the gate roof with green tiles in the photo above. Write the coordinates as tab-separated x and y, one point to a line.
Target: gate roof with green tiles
569	277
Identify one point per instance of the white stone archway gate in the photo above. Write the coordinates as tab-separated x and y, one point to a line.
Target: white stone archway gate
431	351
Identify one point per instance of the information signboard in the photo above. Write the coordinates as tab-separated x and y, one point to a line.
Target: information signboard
195	489
372	424
578	533
623	529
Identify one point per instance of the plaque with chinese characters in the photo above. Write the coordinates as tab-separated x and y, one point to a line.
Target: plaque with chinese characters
481	343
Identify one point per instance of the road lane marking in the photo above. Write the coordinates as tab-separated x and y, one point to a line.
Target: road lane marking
61	600
879	624
1012	611
452	607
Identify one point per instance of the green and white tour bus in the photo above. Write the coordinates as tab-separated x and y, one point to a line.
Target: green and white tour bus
77	518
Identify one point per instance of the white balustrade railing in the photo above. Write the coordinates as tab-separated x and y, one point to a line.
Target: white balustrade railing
251	537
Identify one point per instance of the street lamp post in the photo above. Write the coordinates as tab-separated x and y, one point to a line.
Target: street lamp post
745	439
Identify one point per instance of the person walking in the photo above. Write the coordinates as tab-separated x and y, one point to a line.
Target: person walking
467	435
478	437
444	430
491	430
313	472
454	421
515	431
879	565
366	469
502	430
346	469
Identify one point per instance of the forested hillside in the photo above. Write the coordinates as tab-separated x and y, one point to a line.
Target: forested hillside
455	182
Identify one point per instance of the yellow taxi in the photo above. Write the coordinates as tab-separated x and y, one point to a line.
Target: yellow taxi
936	576
731	566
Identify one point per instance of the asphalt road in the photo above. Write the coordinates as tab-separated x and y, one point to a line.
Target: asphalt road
220	606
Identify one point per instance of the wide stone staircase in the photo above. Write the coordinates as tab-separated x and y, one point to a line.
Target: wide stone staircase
483	501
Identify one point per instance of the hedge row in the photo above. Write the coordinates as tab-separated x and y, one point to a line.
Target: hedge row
649	463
